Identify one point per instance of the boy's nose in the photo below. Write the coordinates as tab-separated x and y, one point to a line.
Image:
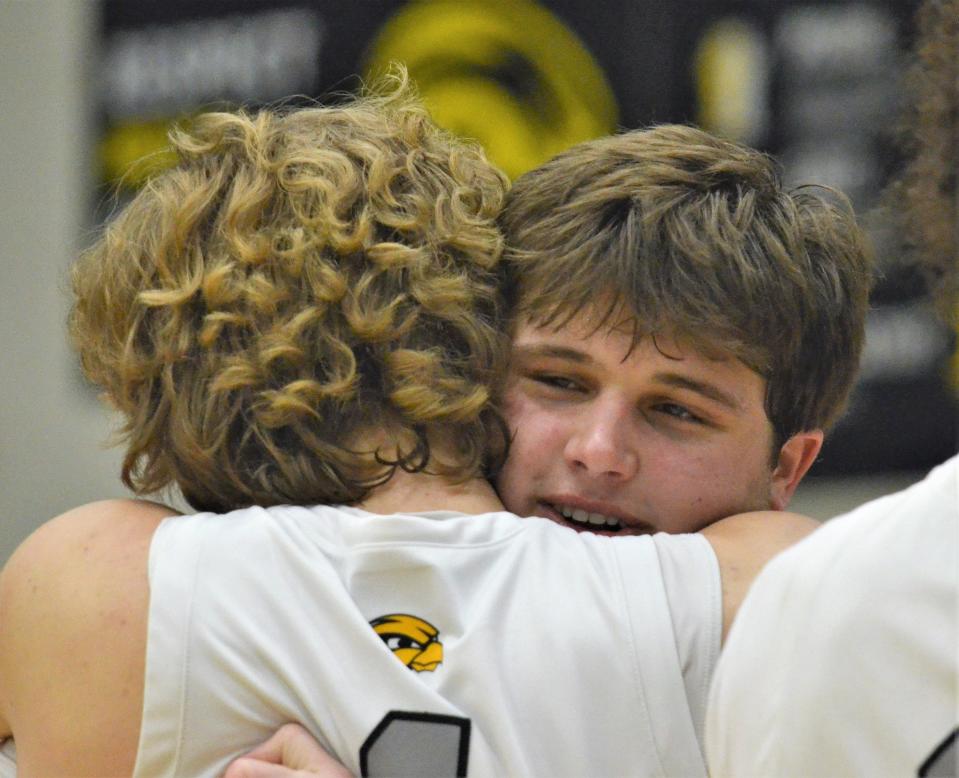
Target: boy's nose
603	446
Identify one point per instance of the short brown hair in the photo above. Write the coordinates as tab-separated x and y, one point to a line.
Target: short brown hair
300	278
682	232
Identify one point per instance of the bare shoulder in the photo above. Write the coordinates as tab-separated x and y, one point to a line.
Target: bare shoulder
759	532
745	543
102	526
73	610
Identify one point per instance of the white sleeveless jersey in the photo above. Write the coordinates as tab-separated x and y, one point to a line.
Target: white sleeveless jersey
8	759
844	658
427	645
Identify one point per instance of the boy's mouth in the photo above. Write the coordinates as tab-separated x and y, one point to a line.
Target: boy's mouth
590	520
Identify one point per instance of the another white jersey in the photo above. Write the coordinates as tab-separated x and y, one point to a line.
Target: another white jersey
844	658
431	645
8	759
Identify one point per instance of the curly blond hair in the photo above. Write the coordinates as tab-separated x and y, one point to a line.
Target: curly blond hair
301	279
674	230
926	196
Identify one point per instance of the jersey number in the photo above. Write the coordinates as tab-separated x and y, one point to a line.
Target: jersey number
942	761
416	745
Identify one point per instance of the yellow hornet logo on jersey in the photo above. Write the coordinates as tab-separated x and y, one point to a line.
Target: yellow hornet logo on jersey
413	640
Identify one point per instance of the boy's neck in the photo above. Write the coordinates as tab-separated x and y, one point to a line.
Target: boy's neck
420	492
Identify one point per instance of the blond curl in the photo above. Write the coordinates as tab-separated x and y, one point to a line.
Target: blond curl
925	198
301	279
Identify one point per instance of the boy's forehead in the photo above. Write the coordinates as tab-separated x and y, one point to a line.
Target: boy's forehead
605	313
601	322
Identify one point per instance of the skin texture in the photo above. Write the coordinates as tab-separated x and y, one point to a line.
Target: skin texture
661	438
73	615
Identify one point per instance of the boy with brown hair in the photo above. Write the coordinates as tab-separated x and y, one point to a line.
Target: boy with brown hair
681	316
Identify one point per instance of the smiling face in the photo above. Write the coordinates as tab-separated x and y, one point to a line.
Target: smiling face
661	438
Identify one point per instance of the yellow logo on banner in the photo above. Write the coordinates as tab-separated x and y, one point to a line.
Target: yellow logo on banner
732	73
133	151
506	73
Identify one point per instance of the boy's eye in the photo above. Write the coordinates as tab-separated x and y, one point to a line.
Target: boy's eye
678	412
557	382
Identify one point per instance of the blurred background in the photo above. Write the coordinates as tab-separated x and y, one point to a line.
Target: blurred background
88	88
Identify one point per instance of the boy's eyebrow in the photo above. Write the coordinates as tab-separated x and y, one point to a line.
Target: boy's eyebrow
704	388
550	350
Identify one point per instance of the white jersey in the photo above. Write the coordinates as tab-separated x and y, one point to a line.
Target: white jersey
8	759
433	644
843	658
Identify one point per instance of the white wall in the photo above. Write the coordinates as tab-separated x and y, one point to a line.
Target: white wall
51	429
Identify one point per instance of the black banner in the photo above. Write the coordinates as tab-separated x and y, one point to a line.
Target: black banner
814	83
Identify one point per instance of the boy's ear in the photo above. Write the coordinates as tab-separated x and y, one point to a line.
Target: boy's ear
795	458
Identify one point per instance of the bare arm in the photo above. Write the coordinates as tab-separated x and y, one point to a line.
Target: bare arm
744	544
73	615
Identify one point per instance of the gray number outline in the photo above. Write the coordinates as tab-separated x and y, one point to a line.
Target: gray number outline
462	724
